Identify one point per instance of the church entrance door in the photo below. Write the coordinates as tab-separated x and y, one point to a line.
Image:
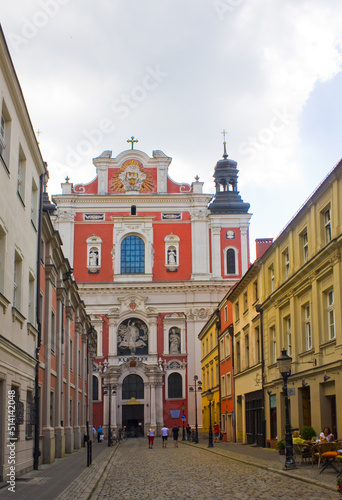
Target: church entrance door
133	419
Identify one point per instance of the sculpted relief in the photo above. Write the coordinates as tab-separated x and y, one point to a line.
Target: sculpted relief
132	177
132	337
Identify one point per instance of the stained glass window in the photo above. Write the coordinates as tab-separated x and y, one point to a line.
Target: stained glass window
132	255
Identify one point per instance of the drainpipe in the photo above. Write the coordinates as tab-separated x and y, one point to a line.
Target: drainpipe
259	310
36	451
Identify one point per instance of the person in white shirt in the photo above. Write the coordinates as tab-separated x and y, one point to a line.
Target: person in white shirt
165	434
326	435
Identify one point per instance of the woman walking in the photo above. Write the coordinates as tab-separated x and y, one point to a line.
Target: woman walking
150	434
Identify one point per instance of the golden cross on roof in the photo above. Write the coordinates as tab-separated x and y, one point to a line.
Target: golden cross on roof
132	141
224	135
38	132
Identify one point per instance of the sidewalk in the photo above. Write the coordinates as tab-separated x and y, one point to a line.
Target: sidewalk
269	459
65	474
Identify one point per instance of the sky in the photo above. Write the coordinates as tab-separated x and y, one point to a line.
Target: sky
176	73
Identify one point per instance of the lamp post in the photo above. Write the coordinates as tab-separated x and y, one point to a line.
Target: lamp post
109	389
197	387
210	396
284	365
183	418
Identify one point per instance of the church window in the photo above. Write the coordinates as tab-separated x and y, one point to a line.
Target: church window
231	266
94	254
175	386
95	388
132	255
133	387
133	210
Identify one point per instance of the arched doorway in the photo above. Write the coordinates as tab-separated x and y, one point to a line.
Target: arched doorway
133	410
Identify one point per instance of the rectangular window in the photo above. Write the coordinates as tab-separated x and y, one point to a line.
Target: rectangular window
305	247
71	354
53	331
225	314
79	363
5	135
307	327
331	314
212	377
273	345
227	345
286	263
327	225
29	415
257	343
255	290
21	174
229	384
237	311
271	277
52	400
223	386
288	334
245	302
238	357
17	281
70	413
2	257
31	303
34	204
247	361
222	353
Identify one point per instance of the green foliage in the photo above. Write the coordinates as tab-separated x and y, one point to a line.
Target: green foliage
307	432
280	444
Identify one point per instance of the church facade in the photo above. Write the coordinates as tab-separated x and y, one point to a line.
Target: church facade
152	259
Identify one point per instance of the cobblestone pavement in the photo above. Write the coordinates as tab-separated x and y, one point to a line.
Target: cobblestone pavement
137	473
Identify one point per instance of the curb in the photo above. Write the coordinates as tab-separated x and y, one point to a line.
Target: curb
231	456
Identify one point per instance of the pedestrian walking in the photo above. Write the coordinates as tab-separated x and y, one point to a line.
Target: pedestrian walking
165	434
99	433
188	432
150	434
217	432
175	432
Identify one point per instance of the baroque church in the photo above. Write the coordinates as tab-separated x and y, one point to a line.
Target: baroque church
152	258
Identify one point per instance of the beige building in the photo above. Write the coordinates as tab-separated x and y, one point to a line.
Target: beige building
301	307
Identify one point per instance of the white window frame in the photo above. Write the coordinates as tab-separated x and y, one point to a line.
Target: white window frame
307	327
236	255
327	224
305	247
227	345
286	263
272	278
288	335
273	344
229	384
331	314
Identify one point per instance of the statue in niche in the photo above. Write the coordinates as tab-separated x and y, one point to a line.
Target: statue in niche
174	341
171	256
93	257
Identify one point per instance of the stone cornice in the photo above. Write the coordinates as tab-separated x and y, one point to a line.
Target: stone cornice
154	287
153	199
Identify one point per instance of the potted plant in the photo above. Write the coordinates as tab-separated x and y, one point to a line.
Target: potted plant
307	432
280	446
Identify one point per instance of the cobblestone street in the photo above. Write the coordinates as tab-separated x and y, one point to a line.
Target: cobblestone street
137	473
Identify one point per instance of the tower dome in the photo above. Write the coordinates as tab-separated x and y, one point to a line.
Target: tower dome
227	199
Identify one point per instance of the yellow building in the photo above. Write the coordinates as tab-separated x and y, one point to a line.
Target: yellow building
248	391
208	337
300	300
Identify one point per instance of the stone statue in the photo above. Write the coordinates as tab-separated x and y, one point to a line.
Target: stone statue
174	339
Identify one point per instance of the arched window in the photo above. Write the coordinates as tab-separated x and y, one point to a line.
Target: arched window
95	388
133	387
175	386
132	255
231	266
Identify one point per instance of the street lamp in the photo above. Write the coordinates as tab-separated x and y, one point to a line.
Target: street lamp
183	408
284	365
210	396
109	389
197	387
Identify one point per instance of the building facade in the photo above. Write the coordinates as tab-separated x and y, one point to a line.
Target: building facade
152	258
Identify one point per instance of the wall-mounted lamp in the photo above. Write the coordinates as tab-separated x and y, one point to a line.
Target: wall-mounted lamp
68	274
269	392
326	378
304	384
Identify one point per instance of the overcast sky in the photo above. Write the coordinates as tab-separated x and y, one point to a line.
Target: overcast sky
175	73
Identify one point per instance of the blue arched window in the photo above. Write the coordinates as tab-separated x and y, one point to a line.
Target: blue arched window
132	255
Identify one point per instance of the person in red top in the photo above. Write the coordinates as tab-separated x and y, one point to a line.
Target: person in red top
217	432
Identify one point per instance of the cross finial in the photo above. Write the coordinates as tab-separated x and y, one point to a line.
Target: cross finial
38	132
132	141
197	178
67	179
225	156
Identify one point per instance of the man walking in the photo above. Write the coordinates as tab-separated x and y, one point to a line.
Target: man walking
165	433
175	432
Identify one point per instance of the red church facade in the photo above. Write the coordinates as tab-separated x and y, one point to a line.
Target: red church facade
152	259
